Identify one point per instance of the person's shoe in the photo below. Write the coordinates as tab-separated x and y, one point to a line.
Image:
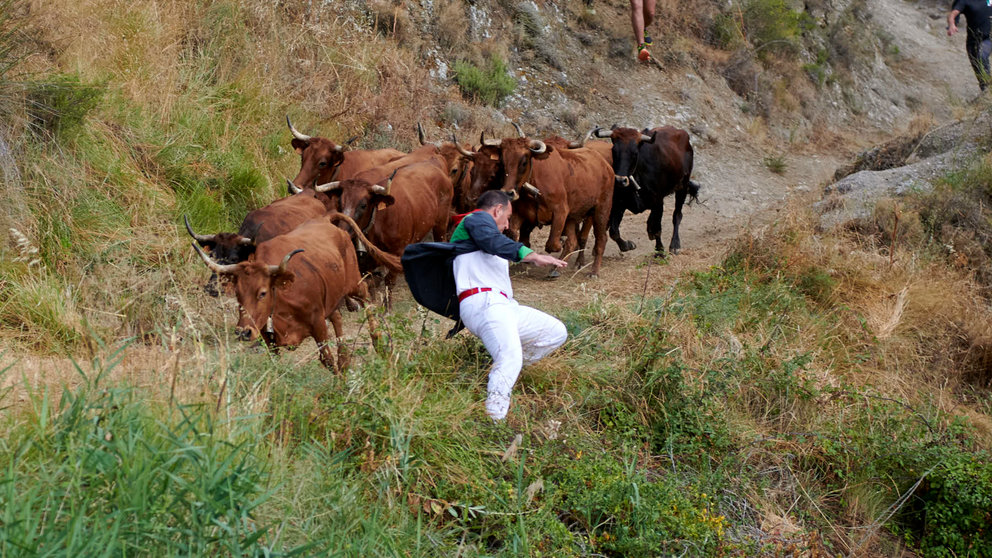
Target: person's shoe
647	40
642	53
497	405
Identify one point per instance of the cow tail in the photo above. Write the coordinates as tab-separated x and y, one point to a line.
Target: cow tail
384	258
693	189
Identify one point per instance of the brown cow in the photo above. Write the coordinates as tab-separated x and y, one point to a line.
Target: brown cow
285	299
557	186
648	166
322	160
279	217
416	200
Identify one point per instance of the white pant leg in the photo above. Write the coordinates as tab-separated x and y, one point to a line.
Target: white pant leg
513	335
540	333
494	322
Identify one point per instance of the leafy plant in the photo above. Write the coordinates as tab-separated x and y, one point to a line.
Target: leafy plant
490	85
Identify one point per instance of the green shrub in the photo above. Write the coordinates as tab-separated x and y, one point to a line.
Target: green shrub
956	502
58	104
490	85
623	513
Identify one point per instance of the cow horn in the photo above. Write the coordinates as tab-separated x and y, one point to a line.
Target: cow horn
228	269
458	146
198	237
514	196
296	133
281	268
492	142
537	147
645	137
379	190
340	148
293	188
420	134
601	133
531	188
329	187
389	183
519	131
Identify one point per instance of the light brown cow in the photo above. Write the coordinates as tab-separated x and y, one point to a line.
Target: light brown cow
322	160
285	299
415	201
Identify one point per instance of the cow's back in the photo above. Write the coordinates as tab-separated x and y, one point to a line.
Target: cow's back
423	195
326	270
603	148
588	180
356	162
282	216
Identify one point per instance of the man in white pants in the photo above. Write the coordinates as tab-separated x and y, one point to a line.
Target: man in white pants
513	334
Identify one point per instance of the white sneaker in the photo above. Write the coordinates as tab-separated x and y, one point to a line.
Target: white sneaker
497	405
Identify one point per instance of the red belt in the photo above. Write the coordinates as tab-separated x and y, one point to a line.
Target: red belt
465	294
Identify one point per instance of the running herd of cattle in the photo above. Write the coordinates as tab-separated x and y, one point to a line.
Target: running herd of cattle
351	212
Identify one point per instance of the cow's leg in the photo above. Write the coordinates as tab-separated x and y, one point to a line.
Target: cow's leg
344	358
600	223
654	226
676	244
320	335
587	226
616	214
558	218
569	246
513	231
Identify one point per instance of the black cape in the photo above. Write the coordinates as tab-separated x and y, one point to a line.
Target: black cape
429	271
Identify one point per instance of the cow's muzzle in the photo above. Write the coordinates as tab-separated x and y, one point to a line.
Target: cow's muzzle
246	333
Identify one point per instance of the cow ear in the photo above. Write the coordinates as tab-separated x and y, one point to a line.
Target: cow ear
299	145
548	150
283	280
385	201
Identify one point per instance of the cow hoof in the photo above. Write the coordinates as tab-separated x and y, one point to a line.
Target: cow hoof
627	246
594	275
554	274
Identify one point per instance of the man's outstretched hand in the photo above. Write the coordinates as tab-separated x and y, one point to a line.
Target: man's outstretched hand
544	259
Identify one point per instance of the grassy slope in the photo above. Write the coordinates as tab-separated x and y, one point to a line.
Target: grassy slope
781	402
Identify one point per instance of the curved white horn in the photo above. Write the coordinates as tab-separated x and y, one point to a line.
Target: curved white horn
293	188
198	237
281	268
296	133
537	147
531	188
330	186
379	189
645	137
519	131
214	266
601	133
458	146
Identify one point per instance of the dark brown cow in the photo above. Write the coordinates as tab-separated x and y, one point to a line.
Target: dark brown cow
415	201
322	160
279	217
650	165
286	299
556	185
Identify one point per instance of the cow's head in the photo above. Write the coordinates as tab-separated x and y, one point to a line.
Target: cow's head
359	199
257	286
517	156
485	170
226	248
626	147
319	158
